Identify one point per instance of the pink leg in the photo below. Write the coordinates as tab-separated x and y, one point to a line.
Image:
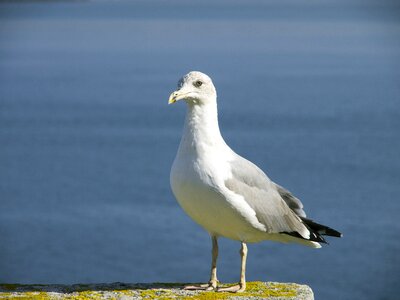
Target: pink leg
213	283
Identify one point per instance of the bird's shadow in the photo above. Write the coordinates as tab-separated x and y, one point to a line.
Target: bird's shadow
63	288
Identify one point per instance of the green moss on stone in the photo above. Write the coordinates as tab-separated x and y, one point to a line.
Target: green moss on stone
157	294
162	291
253	289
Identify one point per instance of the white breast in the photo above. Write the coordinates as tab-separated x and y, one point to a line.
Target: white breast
198	185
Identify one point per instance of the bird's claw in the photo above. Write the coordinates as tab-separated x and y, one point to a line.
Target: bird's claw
238	288
211	286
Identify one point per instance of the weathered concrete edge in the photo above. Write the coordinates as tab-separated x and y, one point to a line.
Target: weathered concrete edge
255	290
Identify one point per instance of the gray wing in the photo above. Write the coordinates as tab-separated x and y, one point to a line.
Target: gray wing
293	202
274	206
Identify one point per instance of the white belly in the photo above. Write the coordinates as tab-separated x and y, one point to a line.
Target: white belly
208	207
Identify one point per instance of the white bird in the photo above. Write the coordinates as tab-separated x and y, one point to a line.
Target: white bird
226	194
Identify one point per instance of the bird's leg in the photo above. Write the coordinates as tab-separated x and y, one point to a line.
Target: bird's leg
212	284
213	277
241	286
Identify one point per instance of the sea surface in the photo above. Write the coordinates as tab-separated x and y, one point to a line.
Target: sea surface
308	90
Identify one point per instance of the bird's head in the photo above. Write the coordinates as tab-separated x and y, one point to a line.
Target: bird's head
195	88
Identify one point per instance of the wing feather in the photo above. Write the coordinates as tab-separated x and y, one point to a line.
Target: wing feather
293	202
264	198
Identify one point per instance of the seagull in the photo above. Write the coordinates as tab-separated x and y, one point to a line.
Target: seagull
225	193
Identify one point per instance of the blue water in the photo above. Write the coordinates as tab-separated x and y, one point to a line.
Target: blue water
308	90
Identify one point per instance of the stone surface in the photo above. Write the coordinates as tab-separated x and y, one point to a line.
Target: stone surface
255	290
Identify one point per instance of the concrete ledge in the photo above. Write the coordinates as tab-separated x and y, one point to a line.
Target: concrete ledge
255	290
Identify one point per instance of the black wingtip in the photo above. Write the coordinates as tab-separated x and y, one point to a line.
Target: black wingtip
321	229
317	231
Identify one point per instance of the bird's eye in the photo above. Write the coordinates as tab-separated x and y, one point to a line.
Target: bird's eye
197	83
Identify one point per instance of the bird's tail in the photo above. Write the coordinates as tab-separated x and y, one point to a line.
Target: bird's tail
319	230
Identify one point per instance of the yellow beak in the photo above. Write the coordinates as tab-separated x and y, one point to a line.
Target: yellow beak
172	98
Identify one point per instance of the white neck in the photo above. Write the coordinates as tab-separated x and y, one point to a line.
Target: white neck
201	130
